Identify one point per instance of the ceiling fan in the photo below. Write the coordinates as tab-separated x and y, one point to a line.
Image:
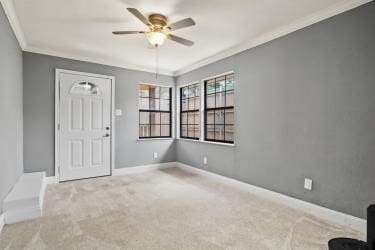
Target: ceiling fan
159	28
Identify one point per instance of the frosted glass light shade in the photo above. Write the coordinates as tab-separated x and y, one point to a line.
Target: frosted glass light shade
156	38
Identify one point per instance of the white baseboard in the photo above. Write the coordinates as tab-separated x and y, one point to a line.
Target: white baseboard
51	180
2	222
143	168
127	170
316	210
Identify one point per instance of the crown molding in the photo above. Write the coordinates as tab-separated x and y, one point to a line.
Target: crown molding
14	23
94	59
13	20
266	37
277	33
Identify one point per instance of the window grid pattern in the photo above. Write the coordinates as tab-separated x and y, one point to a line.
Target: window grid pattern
190	112
155	111
219	109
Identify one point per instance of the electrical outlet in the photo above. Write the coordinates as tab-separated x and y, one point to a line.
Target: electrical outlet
118	112
155	155
205	160
308	184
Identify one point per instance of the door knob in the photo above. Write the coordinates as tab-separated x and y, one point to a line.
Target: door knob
106	135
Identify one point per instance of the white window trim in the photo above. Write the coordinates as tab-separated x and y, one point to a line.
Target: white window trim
202	98
209	142
173	100
215	76
178	111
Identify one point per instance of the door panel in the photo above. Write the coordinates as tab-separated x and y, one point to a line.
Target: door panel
96	114
76	153
85	126
76	117
96	152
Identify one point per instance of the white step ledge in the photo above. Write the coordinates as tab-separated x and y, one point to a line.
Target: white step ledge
2	222
25	200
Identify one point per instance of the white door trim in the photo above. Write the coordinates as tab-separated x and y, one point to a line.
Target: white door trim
57	116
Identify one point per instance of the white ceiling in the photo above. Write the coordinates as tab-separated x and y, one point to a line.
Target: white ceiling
81	29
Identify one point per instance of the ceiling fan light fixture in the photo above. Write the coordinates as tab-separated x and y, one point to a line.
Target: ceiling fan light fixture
156	38
159	28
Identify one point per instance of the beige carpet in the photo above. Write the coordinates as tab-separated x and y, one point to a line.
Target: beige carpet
168	209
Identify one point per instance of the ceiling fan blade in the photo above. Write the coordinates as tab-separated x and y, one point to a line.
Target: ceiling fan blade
127	32
181	24
140	16
180	40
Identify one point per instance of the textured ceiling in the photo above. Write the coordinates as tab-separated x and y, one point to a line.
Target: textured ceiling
81	29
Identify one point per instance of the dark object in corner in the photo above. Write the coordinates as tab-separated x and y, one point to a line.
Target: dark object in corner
347	244
371	227
353	244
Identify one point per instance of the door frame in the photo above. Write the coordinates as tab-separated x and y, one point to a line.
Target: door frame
57	117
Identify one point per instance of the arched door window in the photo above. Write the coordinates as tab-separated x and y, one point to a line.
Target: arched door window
85	88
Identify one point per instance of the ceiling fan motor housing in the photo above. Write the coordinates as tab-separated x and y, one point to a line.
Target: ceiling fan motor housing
158	21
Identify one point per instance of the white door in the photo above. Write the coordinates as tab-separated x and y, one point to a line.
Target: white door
85	126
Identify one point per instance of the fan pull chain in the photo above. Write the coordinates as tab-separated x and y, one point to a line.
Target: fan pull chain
156	62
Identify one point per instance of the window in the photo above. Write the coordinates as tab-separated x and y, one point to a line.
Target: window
85	88
219	109
189	112
155	111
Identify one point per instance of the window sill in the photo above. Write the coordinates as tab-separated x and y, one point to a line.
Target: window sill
155	139
209	142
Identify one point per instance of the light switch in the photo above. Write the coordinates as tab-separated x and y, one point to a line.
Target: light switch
118	112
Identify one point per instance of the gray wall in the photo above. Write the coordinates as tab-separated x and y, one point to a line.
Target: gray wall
305	107
11	163
39	87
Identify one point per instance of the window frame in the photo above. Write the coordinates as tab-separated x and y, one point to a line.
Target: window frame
224	109
202	112
181	112
150	111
